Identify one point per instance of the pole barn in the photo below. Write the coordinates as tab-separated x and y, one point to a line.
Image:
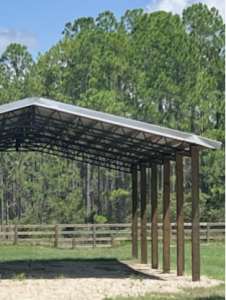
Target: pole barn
37	124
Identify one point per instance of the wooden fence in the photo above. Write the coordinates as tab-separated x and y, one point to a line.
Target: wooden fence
96	235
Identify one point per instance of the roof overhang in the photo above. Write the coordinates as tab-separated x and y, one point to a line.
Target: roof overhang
37	124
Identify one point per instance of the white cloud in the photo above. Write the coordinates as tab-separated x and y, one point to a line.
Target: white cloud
177	6
23	37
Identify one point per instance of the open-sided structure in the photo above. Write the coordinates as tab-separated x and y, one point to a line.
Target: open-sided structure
37	124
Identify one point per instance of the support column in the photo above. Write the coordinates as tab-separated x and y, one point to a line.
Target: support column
166	217
195	213
154	217
143	216
180	215
134	216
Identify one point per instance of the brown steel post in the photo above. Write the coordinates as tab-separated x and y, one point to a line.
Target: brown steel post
195	214
143	216
154	217
180	215
208	232
134	216
56	236
94	236
166	217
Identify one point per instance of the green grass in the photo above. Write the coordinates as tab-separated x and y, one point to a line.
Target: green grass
216	293
212	263
61	277
212	255
31	252
20	277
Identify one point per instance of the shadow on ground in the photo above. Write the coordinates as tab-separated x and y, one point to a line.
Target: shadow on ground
72	268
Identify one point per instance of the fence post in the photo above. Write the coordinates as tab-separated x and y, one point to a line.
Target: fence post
15	234
3	231
112	241
94	236
7	230
208	232
56	236
73	243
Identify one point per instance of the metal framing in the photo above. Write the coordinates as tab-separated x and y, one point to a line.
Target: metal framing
37	124
51	134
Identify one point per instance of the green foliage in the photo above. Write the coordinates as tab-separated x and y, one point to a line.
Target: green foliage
116	195
16	61
30	216
100	219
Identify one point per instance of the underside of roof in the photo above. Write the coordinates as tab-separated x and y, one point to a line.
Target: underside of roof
37	124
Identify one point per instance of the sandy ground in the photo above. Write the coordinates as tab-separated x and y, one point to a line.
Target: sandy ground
89	280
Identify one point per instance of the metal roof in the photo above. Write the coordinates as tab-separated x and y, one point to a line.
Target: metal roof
38	124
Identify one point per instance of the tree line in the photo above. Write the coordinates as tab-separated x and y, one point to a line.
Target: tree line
159	68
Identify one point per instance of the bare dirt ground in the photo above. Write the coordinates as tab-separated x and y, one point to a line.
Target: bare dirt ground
89	280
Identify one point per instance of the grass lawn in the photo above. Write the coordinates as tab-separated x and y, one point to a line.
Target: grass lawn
212	263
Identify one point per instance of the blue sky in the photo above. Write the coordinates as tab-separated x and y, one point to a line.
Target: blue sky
38	24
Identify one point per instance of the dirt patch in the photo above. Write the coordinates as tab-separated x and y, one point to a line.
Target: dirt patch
90	280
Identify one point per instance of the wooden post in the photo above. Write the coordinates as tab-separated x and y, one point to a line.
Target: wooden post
134	216
15	234
143	216
94	236
195	213
56	236
3	231
166	217
208	232
73	243
180	215
154	217
112	241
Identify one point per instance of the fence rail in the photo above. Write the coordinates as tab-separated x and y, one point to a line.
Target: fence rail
97	235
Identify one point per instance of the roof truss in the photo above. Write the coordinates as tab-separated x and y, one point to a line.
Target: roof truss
60	132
